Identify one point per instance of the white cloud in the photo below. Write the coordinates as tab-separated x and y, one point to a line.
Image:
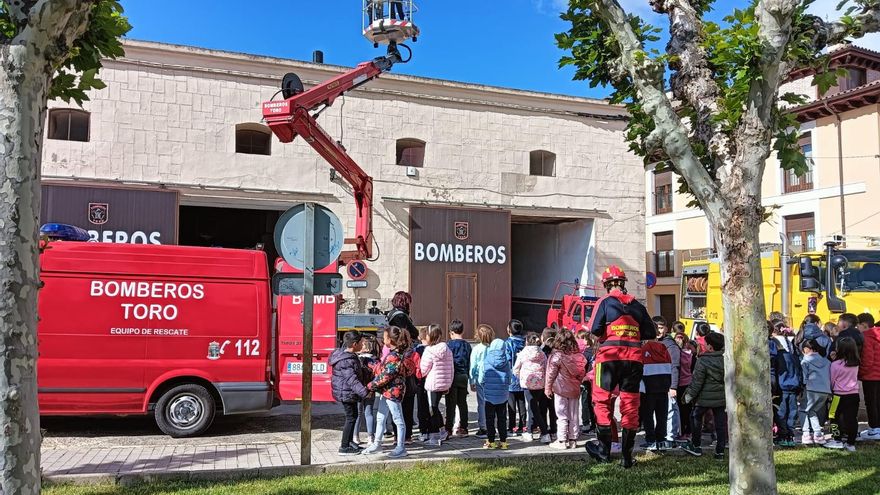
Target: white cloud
827	10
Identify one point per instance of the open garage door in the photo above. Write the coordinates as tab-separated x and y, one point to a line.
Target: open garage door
544	252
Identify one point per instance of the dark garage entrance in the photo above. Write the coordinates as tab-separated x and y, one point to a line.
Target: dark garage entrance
236	228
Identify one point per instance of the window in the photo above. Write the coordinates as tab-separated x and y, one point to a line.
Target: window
68	124
253	139
664	255
795	183
410	152
854	78
800	230
662	192
542	163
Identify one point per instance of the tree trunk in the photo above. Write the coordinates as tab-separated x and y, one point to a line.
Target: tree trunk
746	355
24	83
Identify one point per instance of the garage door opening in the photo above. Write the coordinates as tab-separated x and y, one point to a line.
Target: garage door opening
544	252
236	228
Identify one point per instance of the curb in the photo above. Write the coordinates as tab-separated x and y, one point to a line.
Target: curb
130	479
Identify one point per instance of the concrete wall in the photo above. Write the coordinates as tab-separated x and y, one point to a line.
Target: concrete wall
168	116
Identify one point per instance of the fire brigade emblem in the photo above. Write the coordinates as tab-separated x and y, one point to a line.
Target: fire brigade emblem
99	213
461	231
214	351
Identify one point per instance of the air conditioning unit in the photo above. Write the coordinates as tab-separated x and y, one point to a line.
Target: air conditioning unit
412	172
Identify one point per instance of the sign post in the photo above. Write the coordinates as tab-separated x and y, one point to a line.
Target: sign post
305	453
307	236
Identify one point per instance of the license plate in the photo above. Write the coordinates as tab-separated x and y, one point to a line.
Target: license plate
296	368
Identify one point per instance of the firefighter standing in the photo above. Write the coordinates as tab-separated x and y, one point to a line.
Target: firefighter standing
620	323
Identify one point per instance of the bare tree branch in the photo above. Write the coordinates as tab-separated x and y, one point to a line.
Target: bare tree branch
68	17
692	80
647	77
866	21
774	18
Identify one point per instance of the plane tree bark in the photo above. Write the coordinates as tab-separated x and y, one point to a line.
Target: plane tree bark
715	120
47	47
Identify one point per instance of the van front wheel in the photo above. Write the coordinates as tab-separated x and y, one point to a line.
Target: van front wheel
185	411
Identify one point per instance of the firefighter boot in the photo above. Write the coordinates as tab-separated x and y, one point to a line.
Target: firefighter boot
629	440
600	450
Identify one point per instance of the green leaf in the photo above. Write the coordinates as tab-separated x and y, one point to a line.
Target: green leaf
107	25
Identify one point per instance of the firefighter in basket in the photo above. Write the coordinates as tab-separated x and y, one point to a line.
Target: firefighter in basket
621	324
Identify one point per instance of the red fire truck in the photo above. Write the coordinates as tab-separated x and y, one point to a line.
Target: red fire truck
127	328
573	310
179	332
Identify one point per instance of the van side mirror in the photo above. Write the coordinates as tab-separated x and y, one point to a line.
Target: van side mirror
809	275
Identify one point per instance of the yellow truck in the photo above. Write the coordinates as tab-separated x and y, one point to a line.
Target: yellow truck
795	285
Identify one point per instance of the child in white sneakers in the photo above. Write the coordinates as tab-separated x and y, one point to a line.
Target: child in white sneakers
845	404
817	381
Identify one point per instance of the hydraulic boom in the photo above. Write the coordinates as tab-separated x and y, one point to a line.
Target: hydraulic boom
293	116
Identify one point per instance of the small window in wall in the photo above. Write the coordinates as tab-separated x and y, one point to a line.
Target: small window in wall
662	192
800	230
253	139
410	152
795	183
542	163
664	255
68	124
855	77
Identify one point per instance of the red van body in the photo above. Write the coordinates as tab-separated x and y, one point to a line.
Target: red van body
128	328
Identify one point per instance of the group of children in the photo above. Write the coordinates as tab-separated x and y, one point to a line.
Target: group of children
538	386
820	368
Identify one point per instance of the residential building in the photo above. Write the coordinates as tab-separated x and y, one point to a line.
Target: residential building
840	136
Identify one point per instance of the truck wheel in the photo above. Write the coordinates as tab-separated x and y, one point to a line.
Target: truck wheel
185	411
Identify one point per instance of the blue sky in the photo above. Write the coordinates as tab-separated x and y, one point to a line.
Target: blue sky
497	42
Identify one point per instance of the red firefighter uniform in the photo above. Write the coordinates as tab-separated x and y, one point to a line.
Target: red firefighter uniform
620	323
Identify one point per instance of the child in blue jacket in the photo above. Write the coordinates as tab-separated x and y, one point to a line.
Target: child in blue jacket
787	383
494	377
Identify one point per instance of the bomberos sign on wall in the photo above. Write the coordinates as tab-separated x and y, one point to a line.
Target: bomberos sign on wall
460	266
112	214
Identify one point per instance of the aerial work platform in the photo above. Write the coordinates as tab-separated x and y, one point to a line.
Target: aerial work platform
389	21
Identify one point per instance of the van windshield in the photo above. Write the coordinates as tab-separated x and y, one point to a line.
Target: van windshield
862	273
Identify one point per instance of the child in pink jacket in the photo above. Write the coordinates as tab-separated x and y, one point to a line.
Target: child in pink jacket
529	369
566	369
437	367
844	410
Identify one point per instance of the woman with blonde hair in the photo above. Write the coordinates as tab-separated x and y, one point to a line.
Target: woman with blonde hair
484	335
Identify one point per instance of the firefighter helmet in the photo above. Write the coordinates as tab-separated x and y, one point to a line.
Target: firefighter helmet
613	273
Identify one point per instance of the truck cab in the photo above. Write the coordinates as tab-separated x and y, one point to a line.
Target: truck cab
572	311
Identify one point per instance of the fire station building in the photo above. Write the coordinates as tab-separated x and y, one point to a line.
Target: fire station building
484	197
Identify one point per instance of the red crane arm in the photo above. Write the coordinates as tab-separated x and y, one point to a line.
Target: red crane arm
292	116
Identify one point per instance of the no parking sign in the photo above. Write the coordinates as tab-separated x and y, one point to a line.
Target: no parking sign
357	270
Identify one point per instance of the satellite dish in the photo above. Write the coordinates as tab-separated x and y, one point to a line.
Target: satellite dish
290	237
291	85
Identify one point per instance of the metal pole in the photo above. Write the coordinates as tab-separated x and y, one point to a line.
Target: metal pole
305	448
840	178
786	298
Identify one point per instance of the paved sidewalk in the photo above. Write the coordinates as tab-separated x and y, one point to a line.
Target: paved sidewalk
127	464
